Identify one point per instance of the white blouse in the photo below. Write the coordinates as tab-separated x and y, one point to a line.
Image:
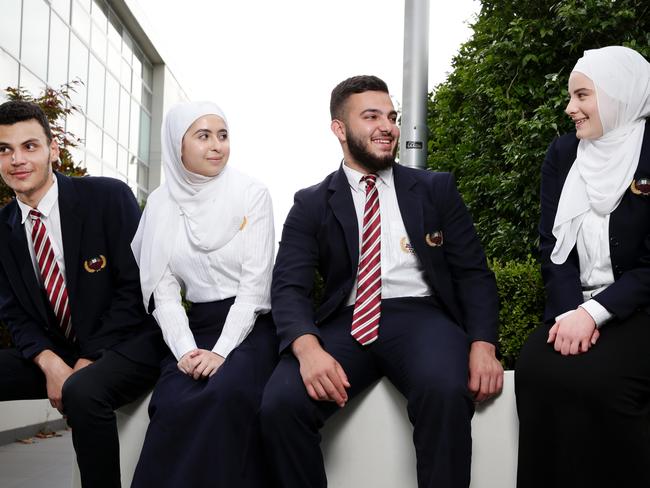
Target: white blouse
241	269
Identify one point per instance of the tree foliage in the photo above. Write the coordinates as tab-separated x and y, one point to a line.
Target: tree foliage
57	105
492	120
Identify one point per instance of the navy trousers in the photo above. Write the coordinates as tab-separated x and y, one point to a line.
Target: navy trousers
90	397
422	352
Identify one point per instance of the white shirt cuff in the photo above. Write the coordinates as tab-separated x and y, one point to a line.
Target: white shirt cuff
240	321
599	313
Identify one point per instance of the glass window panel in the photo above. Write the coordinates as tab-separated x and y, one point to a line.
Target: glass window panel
63	8
78	71
115	31
30	82
134	187
127	47
93	165
10	26
123	161
8	71
78	156
134	136
145	133
98	14
111	114
125	102
146	98
85	4
58	65
96	75
36	23
98	41
80	21
94	139
76	125
114	60
125	75
109	154
143	175
109	170
133	168
136	91
147	75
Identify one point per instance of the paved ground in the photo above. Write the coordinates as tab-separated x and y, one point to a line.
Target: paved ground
47	463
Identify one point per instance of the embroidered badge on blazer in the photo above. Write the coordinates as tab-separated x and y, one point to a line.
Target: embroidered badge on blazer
434	239
406	246
640	186
93	265
243	223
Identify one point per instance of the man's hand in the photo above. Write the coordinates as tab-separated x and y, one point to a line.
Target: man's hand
81	363
200	363
574	333
322	375
485	371
56	372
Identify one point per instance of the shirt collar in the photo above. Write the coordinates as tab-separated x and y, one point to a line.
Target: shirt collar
45	205
385	177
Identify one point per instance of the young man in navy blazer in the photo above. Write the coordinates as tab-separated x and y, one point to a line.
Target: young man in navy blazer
437	311
82	340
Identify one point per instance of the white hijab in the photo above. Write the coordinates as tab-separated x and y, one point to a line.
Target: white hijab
210	210
604	167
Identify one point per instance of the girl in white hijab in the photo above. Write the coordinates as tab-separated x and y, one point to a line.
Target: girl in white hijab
207	232
583	378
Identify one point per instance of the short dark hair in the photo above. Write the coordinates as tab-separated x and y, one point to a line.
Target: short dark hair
356	84
16	111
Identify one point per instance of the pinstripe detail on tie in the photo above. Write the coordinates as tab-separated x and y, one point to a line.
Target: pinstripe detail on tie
367	306
55	288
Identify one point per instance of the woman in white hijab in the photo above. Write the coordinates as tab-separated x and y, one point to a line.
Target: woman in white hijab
206	232
583	378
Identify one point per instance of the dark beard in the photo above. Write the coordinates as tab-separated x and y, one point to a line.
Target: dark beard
366	159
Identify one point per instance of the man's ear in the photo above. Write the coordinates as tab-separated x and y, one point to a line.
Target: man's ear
54	151
338	128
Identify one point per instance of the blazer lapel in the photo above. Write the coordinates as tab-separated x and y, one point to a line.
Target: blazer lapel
343	209
410	206
18	245
71	228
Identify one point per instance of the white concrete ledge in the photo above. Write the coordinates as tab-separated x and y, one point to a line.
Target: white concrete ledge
26	417
372	435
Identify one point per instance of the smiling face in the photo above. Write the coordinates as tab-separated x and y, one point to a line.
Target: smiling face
583	107
368	131
26	158
206	147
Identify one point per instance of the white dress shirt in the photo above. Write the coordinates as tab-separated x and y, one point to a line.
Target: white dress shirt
49	209
402	274
596	273
241	269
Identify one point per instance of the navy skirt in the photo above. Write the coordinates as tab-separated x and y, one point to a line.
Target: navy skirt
205	432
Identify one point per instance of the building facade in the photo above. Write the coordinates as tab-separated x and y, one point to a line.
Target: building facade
125	87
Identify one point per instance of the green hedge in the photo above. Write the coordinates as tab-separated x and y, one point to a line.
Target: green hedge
521	297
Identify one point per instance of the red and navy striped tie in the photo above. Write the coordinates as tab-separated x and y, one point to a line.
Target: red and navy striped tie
367	306
55	288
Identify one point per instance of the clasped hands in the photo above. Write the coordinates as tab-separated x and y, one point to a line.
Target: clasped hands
200	363
574	333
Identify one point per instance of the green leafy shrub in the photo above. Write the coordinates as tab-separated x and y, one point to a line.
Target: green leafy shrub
56	104
521	297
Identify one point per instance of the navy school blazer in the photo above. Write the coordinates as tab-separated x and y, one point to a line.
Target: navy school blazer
99	217
321	232
629	239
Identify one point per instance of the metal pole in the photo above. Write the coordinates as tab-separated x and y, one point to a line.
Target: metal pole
413	145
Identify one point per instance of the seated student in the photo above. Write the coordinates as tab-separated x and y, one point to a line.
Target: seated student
208	230
583	378
408	295
70	294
